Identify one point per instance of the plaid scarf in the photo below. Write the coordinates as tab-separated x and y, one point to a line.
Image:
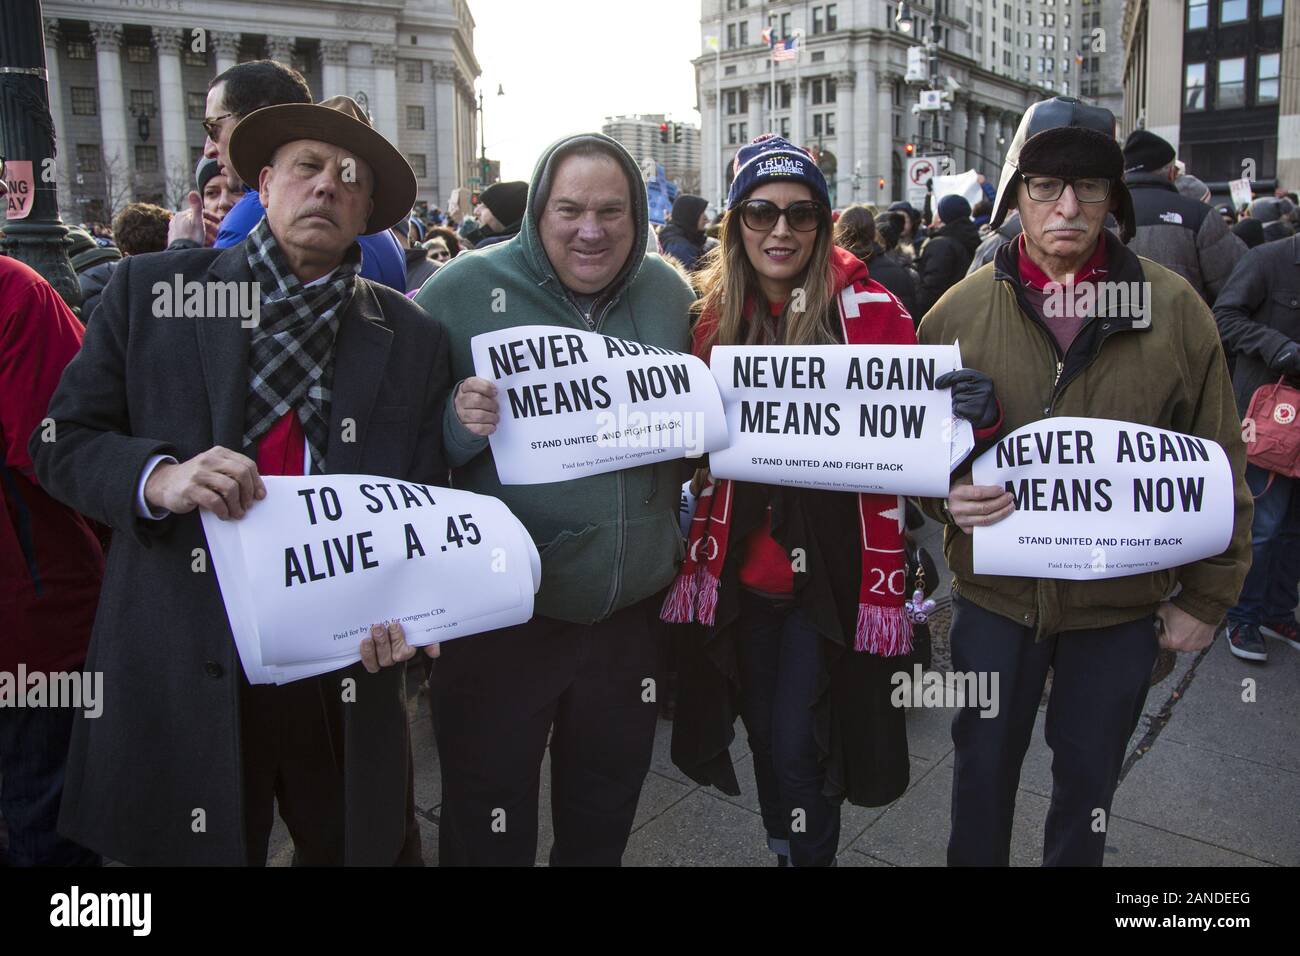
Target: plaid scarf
869	314
291	357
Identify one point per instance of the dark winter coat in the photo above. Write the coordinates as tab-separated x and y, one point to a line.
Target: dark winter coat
943	260
92	283
1182	234
898	278
991	243
685	247
1258	313
418	268
169	738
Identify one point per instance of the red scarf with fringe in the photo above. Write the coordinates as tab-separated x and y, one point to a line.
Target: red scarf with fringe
869	315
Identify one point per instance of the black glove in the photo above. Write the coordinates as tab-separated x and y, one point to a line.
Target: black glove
972	396
1288	363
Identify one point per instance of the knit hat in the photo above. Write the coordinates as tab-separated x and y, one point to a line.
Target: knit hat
1191	187
953	207
85	252
204	171
506	201
1145	152
1266	209
771	159
1249	231
1067	138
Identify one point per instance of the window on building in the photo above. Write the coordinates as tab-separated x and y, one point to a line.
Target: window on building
818	20
414	71
146	158
731	134
420	165
731	36
1271	8
195	103
1066	16
817	124
898	126
729	70
88	158
729	103
897	90
1232	11
415	117
1194	86
1006	34
785	126
194	57
1269	68
78	50
1231	89
196	153
142	101
785	24
84	101
731	4
744	33
1006	57
818	56
744	132
783	95
830	124
832	17
979	44
139	53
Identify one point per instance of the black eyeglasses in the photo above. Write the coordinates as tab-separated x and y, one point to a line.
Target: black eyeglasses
211	126
1049	188
761	215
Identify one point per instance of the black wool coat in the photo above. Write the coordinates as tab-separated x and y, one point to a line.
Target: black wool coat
168	740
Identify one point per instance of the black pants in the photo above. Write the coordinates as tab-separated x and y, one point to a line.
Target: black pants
293	755
780	657
1099	684
499	695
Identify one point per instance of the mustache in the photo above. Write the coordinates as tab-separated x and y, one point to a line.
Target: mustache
1079	222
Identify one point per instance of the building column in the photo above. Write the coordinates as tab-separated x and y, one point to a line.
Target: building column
799	135
845	154
960	127
383	59
710	147
1288	106
755	122
112	110
176	160
280	49
444	131
884	148
226	46
62	149
334	68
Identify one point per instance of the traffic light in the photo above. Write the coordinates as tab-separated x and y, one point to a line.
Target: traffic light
663	132
910	149
881	183
677	132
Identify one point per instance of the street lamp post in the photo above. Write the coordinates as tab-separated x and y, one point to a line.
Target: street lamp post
27	131
482	140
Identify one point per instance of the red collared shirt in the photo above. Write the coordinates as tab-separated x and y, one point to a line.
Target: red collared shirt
1066	320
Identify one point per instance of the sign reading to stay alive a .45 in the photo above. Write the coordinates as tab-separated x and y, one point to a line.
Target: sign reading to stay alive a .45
1097	498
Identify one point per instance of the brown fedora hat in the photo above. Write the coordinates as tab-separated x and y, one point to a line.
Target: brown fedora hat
340	122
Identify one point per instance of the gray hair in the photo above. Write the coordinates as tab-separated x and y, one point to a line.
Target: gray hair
1192	188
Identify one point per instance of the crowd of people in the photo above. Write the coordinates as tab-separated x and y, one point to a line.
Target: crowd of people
120	428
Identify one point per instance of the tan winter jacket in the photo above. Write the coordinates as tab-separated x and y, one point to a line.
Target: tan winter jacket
1171	374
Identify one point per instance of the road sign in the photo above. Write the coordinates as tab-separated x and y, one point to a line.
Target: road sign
920	170
474	181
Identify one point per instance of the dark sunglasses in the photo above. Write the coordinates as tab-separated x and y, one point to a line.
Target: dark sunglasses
213	126
761	215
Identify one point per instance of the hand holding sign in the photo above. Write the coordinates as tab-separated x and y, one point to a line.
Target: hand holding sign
387	646
476	405
976	506
218	480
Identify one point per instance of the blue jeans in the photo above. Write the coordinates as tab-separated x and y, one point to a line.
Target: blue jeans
33	753
1269	592
780	658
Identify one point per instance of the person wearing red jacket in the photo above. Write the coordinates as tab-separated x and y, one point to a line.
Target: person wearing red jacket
783	578
52	565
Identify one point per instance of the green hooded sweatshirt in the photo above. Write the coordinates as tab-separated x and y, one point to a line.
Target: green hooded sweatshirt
606	541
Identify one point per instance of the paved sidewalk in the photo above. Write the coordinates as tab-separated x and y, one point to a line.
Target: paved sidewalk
1211	780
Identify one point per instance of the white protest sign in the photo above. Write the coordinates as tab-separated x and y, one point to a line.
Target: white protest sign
1097	498
966	185
576	403
863	418
1241	195
307	571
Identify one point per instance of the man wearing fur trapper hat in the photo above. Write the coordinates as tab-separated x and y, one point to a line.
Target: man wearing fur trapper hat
1162	365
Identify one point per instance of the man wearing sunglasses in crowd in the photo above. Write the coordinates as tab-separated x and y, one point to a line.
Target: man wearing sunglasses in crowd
1158	362
232	95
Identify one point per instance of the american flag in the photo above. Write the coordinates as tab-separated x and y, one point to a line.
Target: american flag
786	49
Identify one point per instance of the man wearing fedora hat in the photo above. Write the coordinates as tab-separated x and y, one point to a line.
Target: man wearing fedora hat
157	418
1161	365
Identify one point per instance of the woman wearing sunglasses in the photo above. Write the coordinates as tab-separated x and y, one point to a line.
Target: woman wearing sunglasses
799	637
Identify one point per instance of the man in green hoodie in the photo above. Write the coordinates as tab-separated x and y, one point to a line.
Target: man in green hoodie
579	671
